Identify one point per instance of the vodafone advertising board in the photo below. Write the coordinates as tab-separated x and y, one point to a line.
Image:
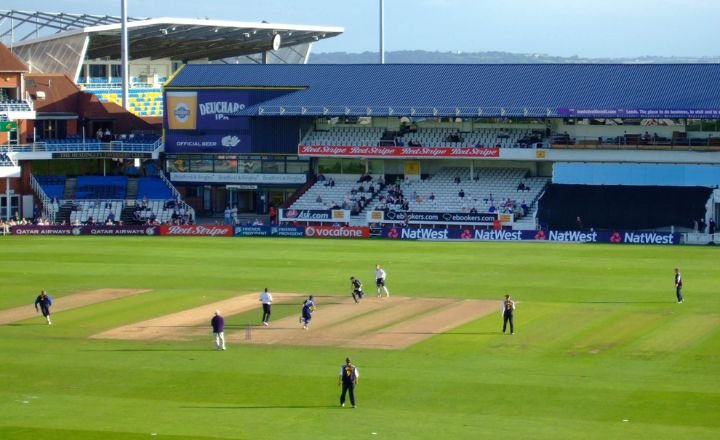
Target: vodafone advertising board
197	230
335	232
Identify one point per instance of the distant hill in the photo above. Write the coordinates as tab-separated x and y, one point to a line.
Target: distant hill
428	57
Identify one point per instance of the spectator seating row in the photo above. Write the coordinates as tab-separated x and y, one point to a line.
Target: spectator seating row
143	102
345	136
427	137
101	187
329	195
153	188
158	210
14	105
488	187
54	186
98	210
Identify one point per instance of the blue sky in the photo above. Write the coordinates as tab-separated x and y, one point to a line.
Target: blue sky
605	28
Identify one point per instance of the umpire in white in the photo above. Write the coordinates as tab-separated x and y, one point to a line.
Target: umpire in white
380	276
266	300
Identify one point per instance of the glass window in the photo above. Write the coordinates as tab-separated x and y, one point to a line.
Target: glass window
273	167
226	164
178	165
98	71
353	166
329	165
376	167
248	166
201	165
297	167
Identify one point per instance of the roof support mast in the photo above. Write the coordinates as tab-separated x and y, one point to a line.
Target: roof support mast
124	56
382	31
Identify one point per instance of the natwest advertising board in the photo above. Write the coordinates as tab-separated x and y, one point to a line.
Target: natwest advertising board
337	232
197	230
347	151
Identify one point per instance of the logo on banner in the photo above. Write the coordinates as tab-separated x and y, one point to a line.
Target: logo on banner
393	233
292	213
616	238
230	141
466	234
335	232
540	235
182	110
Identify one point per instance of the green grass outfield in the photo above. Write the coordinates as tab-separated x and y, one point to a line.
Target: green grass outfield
599	340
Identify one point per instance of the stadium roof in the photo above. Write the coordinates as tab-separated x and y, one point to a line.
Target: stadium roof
473	90
64	35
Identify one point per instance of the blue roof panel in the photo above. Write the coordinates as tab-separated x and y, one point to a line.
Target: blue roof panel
611	90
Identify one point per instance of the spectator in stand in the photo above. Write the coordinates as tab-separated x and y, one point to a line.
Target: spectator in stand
457	180
492	209
461	193
321	178
107	137
521	186
318	199
234	213
579	223
525	208
99	134
711	226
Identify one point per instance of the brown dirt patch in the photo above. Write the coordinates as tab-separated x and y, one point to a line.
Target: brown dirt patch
67	302
413	331
386	323
183	325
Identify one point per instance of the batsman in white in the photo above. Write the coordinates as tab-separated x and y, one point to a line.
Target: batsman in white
380	276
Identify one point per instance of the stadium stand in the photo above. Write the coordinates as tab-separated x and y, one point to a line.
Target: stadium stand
143	101
53	186
14	105
153	188
489	190
324	195
5	160
96	211
426	137
101	187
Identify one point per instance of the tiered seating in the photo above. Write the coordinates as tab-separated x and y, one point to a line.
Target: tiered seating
153	188
491	187
160	210
331	195
14	105
101	187
98	210
426	137
488	137
346	136
54	186
143	101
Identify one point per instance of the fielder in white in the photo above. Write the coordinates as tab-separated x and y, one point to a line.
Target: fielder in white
380	276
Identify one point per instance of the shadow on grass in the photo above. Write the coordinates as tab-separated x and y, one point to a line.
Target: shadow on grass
622	302
262	407
151	349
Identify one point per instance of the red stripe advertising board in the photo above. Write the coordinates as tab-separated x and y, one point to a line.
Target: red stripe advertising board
346	151
197	230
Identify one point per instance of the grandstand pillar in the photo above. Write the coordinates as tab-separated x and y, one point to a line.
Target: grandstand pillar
124	55
265	57
7	198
